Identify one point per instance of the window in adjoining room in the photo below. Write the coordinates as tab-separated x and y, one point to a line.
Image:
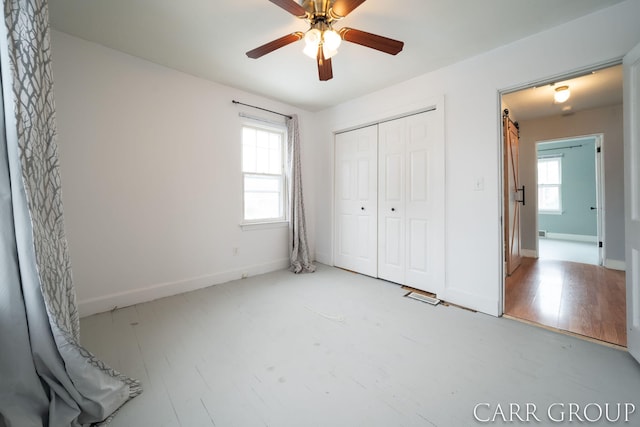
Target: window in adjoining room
550	185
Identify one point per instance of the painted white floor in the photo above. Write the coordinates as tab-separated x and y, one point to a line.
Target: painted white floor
335	348
582	252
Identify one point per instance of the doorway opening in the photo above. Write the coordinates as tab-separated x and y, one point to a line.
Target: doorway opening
571	271
569	214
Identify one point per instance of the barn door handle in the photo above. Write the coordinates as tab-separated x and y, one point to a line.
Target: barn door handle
524	195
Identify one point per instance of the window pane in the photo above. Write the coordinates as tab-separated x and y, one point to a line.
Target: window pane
542	172
248	149
261	206
262	151
248	157
262	197
257	183
549	171
553	172
549	198
275	153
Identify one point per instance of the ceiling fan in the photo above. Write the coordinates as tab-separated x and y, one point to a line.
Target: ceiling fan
321	40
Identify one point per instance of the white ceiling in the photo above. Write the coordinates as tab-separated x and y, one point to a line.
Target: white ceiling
209	38
596	89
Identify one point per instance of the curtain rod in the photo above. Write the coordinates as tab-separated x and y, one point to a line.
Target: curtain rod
561	148
263	109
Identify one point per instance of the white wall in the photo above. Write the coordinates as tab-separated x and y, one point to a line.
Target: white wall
606	120
150	165
472	138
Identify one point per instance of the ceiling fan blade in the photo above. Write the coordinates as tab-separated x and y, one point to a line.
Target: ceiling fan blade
325	71
374	41
276	44
342	8
292	7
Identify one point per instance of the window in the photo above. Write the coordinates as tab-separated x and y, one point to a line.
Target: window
550	185
263	173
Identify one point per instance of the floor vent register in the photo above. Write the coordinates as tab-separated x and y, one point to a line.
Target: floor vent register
423	298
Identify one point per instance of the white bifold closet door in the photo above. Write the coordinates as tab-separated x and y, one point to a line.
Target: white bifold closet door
356	207
411	202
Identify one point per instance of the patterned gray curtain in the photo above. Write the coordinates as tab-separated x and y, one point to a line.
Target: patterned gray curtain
298	246
46	377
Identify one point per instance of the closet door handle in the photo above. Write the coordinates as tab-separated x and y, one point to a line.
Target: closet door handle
362	208
393	209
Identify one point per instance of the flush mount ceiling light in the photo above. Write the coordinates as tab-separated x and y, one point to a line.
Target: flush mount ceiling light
562	94
321	40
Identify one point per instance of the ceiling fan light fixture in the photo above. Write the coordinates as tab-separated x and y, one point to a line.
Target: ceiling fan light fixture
310	51
312	40
331	40
328	53
330	43
321	40
561	94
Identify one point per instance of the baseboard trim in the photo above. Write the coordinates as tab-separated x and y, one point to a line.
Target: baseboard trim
615	264
529	253
101	304
572	237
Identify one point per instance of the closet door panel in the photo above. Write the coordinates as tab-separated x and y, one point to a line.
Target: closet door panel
391	201
425	203
418	183
356	216
418	248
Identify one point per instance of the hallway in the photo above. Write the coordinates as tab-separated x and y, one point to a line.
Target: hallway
580	298
565	250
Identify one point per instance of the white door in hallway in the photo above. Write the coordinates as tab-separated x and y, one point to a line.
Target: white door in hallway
631	66
411	202
356	167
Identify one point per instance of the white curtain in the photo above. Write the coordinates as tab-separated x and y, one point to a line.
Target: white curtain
46	377
298	245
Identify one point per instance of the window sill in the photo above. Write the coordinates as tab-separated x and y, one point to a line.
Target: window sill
550	212
246	226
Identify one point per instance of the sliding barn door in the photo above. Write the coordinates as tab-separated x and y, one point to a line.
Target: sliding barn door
631	66
411	202
356	200
511	196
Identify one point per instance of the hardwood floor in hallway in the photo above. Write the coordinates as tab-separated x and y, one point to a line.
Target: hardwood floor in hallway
583	299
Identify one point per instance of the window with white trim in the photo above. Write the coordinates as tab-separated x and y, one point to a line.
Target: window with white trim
264	198
550	185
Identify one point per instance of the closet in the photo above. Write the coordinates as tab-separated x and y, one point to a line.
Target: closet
389	201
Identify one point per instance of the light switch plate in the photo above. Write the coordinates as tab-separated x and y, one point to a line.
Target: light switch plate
478	184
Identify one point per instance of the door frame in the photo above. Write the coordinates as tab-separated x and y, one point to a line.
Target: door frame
631	93
600	191
500	107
